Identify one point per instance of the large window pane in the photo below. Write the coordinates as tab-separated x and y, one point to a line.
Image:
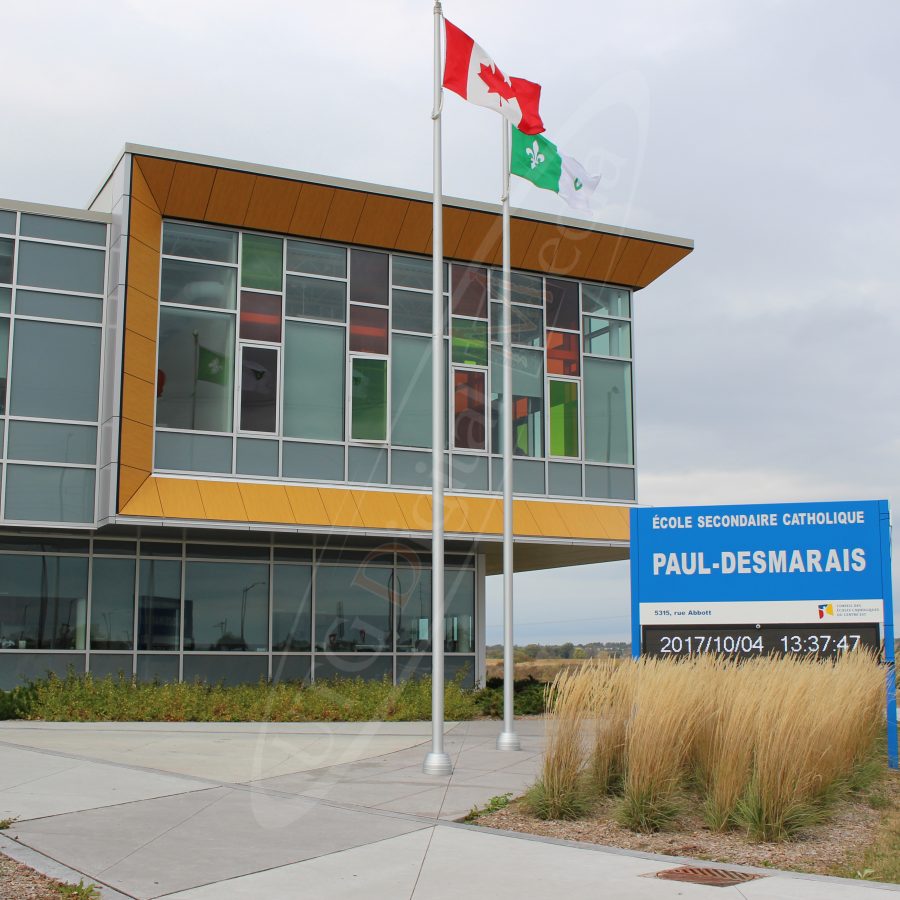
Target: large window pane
320	462
562	304
112	604
414	272
369	276
159	604
262	263
353	609
43	602
522	288
609	482
316	298
59	306
411	311
607	411
411	391
199	284
52	443
195	381
368	329
70	230
413	601
468	406
61	268
259	389
527	325
292	608
563	418
185	452
214	244
7	222
528	402
468	292
49	494
607	337
6	260
369	400
316	259
470	342
314	359
260	318
4	362
608	301
55	371
226	606
563	353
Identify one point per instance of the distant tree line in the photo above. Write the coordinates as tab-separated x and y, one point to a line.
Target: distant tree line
594	650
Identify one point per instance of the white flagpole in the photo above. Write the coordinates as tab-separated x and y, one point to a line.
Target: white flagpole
437	762
507	739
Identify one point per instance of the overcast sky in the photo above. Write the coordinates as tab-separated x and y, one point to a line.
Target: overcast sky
766	130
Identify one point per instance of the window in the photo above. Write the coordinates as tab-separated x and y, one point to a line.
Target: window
563	418
522	288
413	602
59	306
563	353
70	231
353	609
259	389
528	402
159	604
411	391
7	254
607	337
369	399
605	300
470	342
562	304
4	362
61	268
368	330
415	272
607	411
527	325
314	364
262	264
260	317
316	259
316	298
292	608
196	242
468	405
468	291
197	284
411	311
112	604
52	443
195	377
369	276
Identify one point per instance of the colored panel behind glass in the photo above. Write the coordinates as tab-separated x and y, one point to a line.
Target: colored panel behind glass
563	418
368	329
262	263
369	400
522	288
369	276
260	317
470	342
468	292
468	393
563	353
562	304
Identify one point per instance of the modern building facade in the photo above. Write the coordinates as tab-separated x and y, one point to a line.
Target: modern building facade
216	421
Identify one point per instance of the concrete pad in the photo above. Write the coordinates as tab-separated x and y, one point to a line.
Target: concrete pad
34	784
387	870
162	846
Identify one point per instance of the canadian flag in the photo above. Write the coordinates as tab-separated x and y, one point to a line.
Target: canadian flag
471	73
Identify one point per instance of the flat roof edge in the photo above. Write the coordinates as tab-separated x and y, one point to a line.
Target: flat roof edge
60	212
403	193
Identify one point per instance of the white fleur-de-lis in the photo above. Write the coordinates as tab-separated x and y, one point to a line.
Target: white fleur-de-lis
534	154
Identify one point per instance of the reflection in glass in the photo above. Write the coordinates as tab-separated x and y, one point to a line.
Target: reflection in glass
527	325
43	602
608	301
607	411
369	400
292	608
196	368
368	330
353	609
112	604
198	284
411	391
316	259
4	362
468	406
159	604
528	401
71	231
262	265
563	353
468	292
315	298
226	606
563	418
197	242
562	304
259	389
369	276
411	311
470	342
607	337
314	381
413	601
260	318
522	288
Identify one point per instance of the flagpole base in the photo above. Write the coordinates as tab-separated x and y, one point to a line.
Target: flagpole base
437	764
508	740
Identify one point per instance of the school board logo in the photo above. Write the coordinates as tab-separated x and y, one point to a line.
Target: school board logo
826	609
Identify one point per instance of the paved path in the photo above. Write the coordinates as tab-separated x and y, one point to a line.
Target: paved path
232	811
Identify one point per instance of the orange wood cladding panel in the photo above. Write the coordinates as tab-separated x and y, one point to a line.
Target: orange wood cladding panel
189	192
661	260
548	517
136	445
416	509
158	174
631	262
272	204
143	268
143	314
230	197
140	190
343	216
485	516
137	399
521	231
415	232
454	225
146	224
140	357
481	240
602	265
380	221
266	502
312	209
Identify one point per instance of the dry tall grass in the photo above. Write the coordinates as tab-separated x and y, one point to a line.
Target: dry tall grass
767	742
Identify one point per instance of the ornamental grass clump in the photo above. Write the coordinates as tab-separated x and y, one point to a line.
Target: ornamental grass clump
612	699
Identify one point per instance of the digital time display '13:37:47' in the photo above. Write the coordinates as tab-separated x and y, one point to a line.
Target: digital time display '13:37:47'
757	640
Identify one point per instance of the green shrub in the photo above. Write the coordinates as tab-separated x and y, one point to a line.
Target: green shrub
528	697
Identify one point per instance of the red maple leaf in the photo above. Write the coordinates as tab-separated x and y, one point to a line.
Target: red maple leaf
496	82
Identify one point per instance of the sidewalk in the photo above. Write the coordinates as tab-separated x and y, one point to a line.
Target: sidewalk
194	810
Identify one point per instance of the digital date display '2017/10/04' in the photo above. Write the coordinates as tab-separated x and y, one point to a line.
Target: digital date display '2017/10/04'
760	640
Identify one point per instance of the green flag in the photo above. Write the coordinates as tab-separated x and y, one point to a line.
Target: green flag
212	366
535	158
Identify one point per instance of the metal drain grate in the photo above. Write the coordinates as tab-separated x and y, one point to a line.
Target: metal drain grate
707	875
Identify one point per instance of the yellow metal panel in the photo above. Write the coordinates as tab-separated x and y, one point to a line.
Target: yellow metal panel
583	522
483	515
454	517
145	501
379	509
140	190
158	173
180	498
137	400
146	224
415	232
143	268
266	503
341	508
143	314
312	208
548	518
272	204
190	190
229	198
136	449
129	481
416	509
523	520
614	520
222	501
307	506
343	215
140	356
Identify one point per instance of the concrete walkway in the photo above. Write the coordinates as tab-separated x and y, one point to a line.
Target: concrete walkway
215	812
